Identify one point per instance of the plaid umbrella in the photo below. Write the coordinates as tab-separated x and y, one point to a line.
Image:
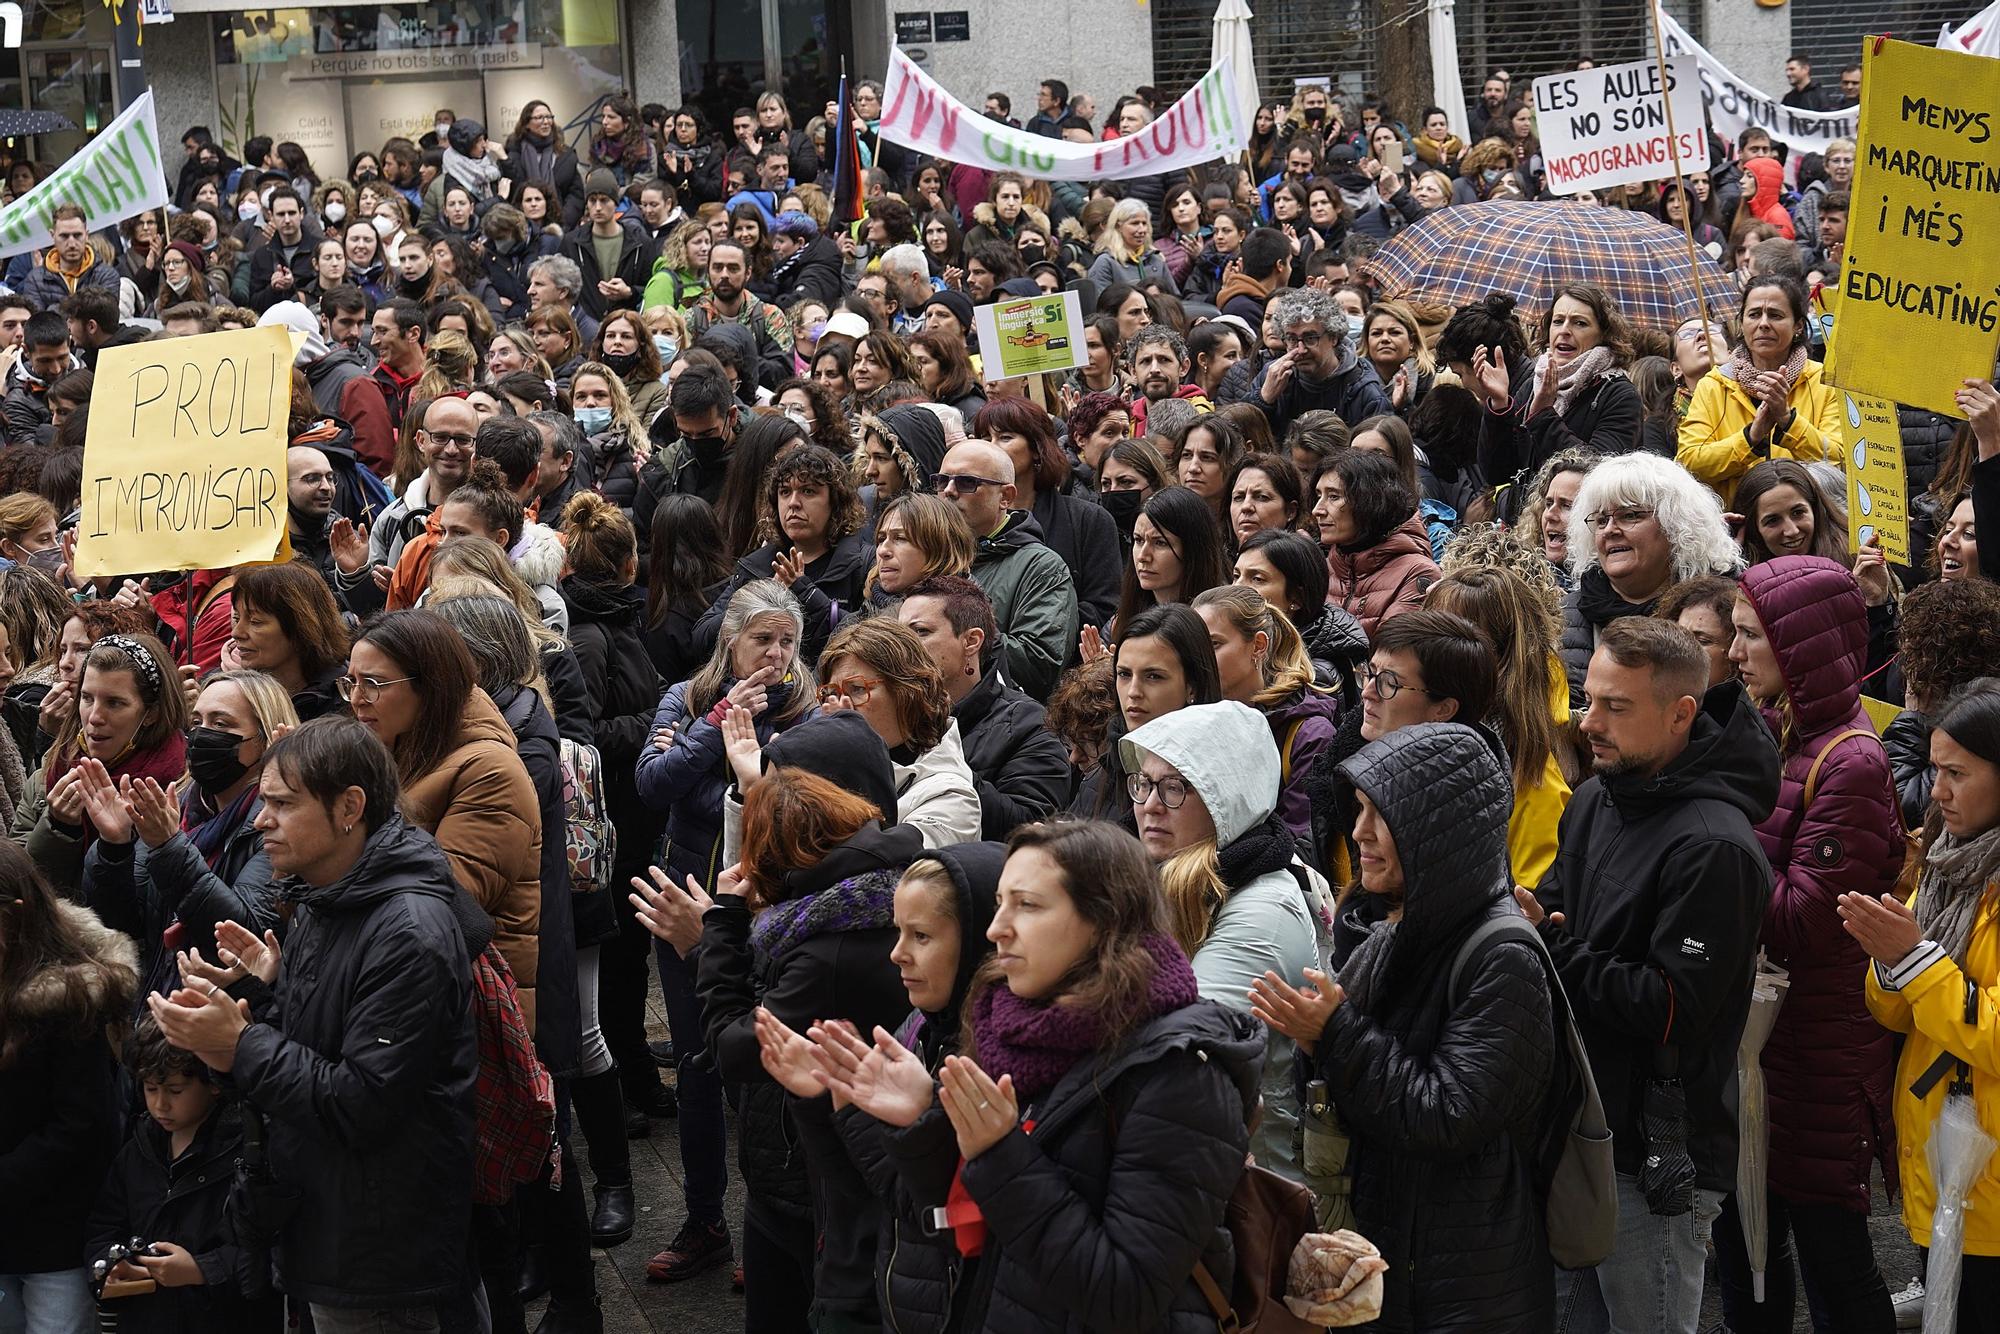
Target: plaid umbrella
1459	254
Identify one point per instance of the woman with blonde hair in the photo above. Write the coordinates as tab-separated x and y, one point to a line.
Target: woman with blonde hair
513	349
1263	663
1393	342
27	528
1530	707
917	536
451	363
619	444
1125	250
190	852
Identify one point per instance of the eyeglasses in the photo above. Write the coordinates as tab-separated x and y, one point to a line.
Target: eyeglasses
1693	333
542	115
1631	516
1173	791
366	689
1309	338
457	438
1387	684
856	688
963	482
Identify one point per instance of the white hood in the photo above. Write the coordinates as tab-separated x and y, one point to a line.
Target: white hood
1225	752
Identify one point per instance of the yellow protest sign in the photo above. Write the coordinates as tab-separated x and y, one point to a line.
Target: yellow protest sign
184	460
1878	504
1920	283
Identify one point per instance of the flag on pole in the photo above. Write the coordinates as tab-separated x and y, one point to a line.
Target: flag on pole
846	159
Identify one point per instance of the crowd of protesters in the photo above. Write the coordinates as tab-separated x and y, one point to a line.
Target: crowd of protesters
1029	797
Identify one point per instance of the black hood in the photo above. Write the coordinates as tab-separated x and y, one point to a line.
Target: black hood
975	876
603	604
916	440
1730	757
841	748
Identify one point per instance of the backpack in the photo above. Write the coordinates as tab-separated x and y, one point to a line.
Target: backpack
1266	1217
1581	1179
514	1099
589	837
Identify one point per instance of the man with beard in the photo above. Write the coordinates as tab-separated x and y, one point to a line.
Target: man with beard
399	352
613	255
309	493
283	264
1318	369
706	416
728	300
1652	912
1159	358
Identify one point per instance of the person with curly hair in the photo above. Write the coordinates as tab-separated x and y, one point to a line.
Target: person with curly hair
1950	637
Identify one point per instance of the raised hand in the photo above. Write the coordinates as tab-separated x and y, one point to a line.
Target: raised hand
66	798
741	747
883	1079
1885	926
788	1057
1300	1013
58	707
981	1111
1980	403
1489	374
349	544
669	912
1090	644
788	567
101	802
154	812
236	946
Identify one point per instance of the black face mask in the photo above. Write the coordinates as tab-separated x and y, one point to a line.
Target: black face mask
1123	507
212	760
1032	255
622	362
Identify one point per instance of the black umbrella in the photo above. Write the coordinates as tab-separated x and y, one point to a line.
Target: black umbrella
15	123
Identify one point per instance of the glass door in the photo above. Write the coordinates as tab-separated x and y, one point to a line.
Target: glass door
76	81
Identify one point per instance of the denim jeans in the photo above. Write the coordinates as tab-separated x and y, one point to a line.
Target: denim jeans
697	1086
374	1320
58	1302
1836	1258
1651	1282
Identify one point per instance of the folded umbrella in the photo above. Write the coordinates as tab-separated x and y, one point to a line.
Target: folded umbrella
1753	1118
1959	1150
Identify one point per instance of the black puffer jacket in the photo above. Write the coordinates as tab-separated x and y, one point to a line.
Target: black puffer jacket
558	1016
1662	885
1908	741
1096	1221
1445	1095
1603	419
624	690
364	1068
921	1280
1927	437
1083	533
835	966
1020	767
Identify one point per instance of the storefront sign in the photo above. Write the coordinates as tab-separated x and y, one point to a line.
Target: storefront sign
954	25
1608	126
1734	106
1204	125
1920	286
10	25
207	489
912	26
156	11
1878	504
414	60
112	177
1033	336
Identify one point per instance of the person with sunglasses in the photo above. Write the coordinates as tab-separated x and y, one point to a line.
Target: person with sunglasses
880	669
1204	783
1031	588
1319	369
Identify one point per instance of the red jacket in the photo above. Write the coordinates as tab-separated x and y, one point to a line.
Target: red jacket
213	618
1828	1063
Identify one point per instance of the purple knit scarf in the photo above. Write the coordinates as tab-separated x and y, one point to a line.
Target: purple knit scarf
1038	1041
858	903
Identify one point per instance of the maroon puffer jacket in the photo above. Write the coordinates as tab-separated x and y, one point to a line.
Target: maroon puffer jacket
1828	1063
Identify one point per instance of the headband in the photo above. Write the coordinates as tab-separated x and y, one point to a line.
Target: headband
142	661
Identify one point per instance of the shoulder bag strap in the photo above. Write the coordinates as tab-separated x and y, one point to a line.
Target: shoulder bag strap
1812	774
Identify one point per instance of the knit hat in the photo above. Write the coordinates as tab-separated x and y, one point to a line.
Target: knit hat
294	316
191	252
797	225
957	303
601	181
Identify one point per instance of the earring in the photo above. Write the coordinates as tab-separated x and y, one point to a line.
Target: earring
348	829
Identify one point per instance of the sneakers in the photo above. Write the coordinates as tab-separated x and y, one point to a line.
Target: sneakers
697	1246
1909	1304
662	1053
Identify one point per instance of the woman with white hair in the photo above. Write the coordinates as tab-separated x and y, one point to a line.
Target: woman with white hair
1126	253
1640	524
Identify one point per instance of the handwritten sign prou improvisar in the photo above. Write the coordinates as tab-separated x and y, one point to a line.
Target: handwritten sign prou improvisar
1608	126
1919	307
184	460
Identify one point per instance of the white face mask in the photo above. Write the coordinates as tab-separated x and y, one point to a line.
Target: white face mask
249	210
335	210
384	226
443	128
